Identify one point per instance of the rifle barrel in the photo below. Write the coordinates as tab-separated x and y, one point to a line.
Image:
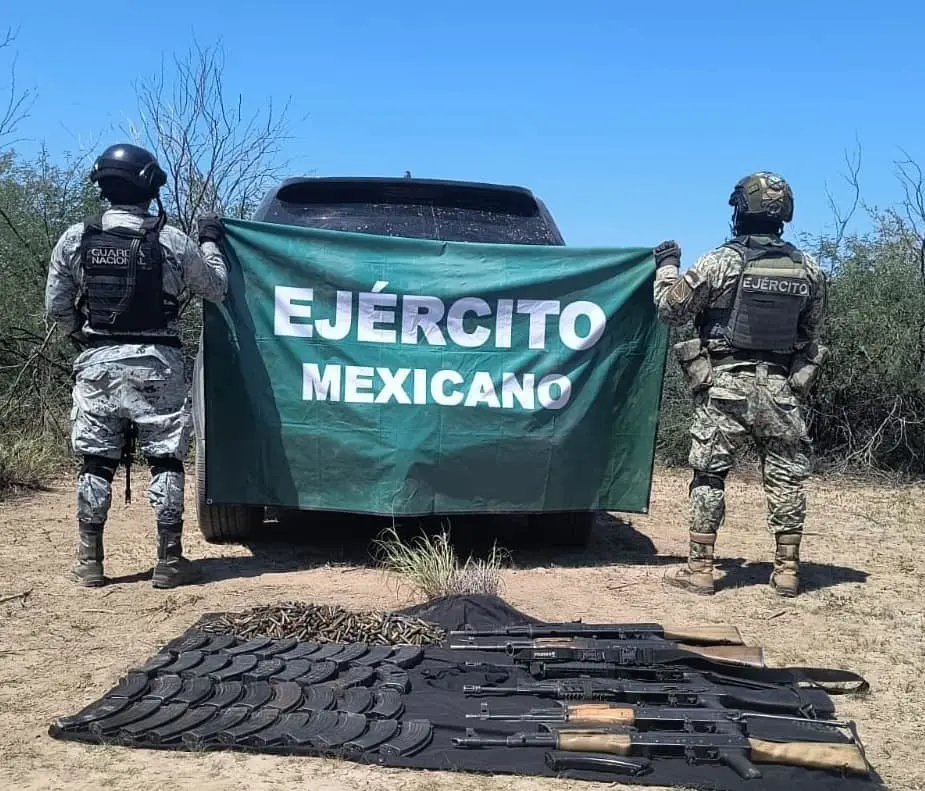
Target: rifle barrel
714	634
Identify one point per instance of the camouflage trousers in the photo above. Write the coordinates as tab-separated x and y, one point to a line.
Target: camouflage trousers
758	404
116	385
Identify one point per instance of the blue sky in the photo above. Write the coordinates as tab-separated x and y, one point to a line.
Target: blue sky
632	121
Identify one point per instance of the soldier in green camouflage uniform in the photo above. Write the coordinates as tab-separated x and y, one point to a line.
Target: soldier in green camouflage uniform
115	285
757	304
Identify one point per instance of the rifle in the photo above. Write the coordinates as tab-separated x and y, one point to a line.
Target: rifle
730	749
128	456
630	652
702	695
649	717
557	670
761	678
721	634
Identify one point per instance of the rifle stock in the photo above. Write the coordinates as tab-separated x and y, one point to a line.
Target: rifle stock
740	654
812	755
719	634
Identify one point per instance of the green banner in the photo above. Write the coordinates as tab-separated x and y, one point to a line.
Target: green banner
392	376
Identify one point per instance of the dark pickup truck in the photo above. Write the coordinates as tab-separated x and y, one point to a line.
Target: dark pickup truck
454	211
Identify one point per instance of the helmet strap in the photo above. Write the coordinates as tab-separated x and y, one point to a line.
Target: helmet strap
161	212
734	221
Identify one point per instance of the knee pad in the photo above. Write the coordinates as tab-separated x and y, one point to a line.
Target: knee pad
714	480
160	464
100	466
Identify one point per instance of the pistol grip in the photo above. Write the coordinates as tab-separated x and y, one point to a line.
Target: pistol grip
738	761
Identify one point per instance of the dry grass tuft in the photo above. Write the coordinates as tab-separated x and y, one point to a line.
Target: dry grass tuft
430	567
26	463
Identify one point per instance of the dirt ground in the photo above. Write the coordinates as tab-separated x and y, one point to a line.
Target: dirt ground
61	646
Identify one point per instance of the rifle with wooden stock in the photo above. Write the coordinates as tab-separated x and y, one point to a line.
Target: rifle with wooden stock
733	749
718	634
632	652
694	719
698	693
566	670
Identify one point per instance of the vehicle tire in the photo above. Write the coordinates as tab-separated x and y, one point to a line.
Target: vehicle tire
568	529
223	523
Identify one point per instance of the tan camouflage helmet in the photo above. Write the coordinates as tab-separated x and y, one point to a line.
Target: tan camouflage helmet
763	194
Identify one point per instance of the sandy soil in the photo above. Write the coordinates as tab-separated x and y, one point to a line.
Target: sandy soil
62	646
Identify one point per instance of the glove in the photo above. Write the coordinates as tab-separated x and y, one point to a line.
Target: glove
805	368
211	228
667	254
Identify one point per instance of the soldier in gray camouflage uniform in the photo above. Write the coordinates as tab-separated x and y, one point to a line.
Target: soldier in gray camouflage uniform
115	284
757	303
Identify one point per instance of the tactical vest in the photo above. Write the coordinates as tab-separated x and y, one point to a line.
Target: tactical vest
123	282
773	288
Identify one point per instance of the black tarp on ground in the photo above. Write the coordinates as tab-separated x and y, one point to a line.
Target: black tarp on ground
169	696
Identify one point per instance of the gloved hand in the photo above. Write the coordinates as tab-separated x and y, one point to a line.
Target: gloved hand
210	228
667	254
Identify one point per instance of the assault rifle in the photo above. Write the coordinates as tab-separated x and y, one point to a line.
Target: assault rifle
832	681
128	456
721	634
549	670
730	749
691	720
629	652
703	694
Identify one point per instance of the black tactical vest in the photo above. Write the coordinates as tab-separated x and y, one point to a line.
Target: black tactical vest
773	288
123	281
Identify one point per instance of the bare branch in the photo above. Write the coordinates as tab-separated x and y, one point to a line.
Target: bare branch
216	154
19	236
910	176
32	358
843	218
18	102
852	178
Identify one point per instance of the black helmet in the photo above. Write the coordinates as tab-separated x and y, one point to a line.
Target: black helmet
128	174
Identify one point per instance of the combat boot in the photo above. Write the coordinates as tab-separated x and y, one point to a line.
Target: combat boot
697	577
172	569
88	569
785	578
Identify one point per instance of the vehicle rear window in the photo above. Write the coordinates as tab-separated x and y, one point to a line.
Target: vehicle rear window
452	213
